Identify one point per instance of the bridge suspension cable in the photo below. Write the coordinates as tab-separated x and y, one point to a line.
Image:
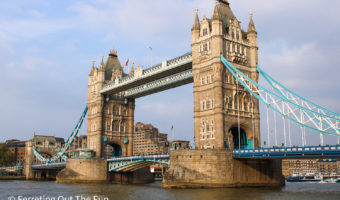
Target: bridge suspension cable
288	104
61	152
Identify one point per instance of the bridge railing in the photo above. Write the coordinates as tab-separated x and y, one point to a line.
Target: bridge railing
309	151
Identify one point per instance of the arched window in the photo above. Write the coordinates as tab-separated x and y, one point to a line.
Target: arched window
233	34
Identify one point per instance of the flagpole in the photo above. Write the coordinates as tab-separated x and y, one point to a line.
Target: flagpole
173	135
150	56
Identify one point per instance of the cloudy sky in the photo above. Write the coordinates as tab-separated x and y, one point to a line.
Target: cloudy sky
46	49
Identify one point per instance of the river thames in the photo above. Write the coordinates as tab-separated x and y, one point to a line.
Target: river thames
31	190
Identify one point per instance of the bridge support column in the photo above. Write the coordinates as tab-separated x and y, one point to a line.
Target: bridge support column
217	168
28	160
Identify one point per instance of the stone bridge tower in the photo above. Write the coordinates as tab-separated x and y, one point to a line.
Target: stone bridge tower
110	117
225	114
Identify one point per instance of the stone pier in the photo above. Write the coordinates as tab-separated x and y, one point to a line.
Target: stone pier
84	170
216	168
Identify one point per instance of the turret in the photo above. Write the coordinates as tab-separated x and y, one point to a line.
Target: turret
252	38
195	30
251	33
101	71
113	69
132	72
216	22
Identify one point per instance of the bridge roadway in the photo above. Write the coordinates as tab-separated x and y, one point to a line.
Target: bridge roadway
124	164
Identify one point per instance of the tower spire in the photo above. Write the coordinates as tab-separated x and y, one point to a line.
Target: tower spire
216	14
92	68
196	25
251	26
101	68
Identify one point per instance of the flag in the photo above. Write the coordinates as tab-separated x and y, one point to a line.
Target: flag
150	48
127	62
172	127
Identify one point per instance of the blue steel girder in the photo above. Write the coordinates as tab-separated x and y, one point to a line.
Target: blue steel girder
141	77
58	165
289	152
289	106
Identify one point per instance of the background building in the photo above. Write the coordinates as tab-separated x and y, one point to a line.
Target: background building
79	142
17	147
180	144
311	166
148	141
46	145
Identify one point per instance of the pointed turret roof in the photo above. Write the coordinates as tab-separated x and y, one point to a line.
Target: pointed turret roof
112	64
92	68
251	26
224	11
132	69
196	25
101	67
216	14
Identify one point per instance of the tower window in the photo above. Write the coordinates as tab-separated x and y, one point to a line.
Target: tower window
205	31
205	47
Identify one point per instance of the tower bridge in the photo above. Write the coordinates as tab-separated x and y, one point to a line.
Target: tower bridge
223	67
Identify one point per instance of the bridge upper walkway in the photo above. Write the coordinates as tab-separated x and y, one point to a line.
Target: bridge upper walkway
172	73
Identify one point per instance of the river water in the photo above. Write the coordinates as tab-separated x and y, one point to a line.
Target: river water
32	190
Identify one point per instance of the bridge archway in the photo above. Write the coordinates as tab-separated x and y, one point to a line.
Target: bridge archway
112	150
242	136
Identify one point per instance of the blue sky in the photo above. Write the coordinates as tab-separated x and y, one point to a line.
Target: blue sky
47	48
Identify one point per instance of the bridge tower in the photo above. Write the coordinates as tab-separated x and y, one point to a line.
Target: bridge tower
223	111
110	117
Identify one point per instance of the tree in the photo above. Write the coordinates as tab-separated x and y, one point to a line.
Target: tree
6	156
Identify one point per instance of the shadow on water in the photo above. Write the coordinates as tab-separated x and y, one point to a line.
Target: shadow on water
292	191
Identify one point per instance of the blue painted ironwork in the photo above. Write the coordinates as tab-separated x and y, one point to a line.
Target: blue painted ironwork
289	152
61	152
329	123
136	162
50	165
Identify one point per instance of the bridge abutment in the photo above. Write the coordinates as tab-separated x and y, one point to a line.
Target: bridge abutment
212	168
140	176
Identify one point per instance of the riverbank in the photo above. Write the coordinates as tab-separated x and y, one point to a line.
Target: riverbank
12	178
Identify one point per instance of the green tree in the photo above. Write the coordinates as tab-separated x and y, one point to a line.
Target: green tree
6	156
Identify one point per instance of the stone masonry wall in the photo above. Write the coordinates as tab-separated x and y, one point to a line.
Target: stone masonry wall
216	168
